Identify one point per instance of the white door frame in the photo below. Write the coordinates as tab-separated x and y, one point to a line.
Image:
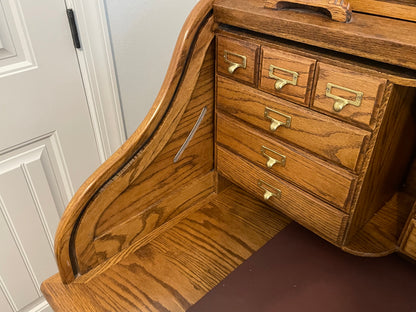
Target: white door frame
98	74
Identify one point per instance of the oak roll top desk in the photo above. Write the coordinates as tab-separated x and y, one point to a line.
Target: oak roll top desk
270	110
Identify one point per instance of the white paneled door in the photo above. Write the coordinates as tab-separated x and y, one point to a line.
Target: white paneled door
47	143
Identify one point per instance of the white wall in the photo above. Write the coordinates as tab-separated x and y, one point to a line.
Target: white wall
143	35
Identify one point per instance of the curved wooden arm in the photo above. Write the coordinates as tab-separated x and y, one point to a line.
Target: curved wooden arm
116	164
340	10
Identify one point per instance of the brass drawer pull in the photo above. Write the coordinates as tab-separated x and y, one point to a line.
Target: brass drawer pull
274	123
269	190
281	82
340	102
273	161
233	66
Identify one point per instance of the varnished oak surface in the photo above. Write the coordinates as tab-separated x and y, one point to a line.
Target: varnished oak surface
388	166
380	236
409	246
323	219
145	143
236	50
178	267
380	161
339	142
373	37
339	11
303	66
121	217
394	74
101	220
329	183
402	9
371	87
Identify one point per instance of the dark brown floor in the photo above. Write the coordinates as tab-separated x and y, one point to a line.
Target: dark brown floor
298	271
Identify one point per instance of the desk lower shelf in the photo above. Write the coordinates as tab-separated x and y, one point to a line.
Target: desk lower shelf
180	266
380	236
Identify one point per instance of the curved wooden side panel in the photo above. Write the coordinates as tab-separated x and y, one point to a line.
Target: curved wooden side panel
146	142
143	196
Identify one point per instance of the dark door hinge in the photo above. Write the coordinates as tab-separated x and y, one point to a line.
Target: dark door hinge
74	29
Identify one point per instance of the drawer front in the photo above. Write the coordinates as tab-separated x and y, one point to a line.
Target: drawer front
308	172
286	75
348	95
319	217
237	59
409	247
327	137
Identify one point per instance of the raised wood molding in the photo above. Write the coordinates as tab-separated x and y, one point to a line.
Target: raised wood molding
340	11
98	74
385	8
394	37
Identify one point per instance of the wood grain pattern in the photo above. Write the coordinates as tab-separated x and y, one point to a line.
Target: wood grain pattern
157	218
324	136
330	183
409	246
304	67
394	74
371	87
139	165
406	228
319	217
339	11
377	38
139	140
221	183
379	237
241	48
404	10
411	178
389	160
147	186
386	169
178	267
154	182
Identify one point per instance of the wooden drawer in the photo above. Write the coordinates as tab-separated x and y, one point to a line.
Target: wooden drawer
286	75
308	172
237	59
409	246
346	94
327	137
319	217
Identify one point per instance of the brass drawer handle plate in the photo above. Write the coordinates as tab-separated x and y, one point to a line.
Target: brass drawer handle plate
269	191
234	66
274	123
340	102
273	161
281	82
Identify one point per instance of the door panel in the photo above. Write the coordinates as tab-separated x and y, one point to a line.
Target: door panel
47	143
16	51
